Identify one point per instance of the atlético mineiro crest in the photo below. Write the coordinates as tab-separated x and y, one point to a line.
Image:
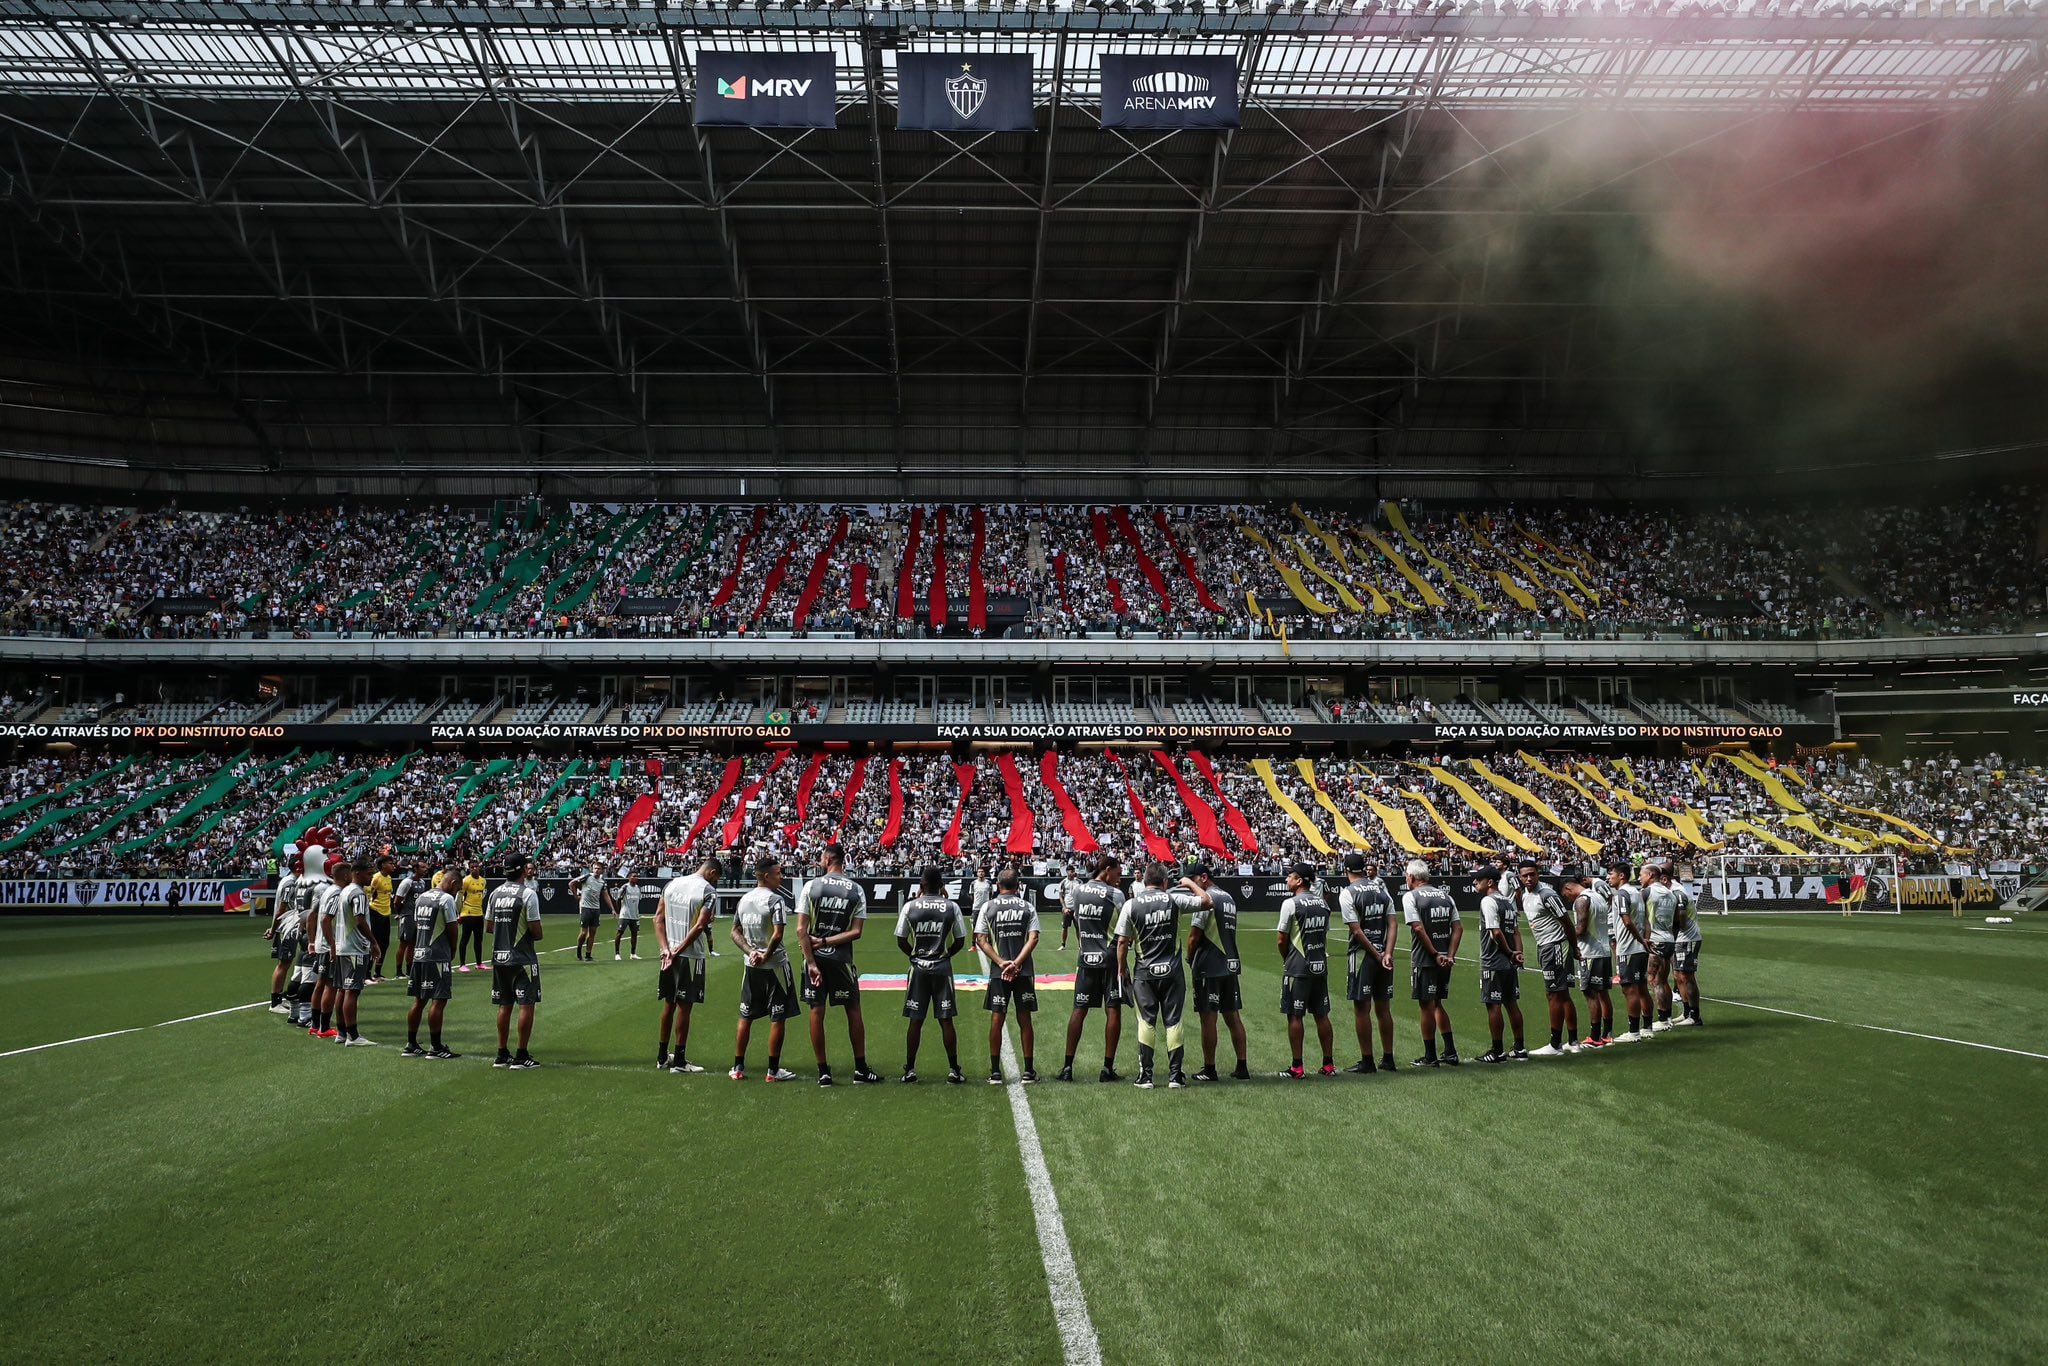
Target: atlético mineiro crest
966	91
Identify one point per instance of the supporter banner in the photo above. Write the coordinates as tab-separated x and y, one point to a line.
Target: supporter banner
1931	892
117	894
971	92
1169	90
766	89
1141	732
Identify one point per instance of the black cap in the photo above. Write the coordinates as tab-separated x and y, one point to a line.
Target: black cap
1354	863
1199	869
1305	871
1486	872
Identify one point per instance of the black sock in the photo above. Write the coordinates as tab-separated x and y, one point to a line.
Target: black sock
824	1069
1556	1039
1297	1062
953	1059
1429	1048
1450	1044
276	998
1027	1064
1664	1015
1328	1061
739	1060
1069	1064
774	1062
1633	1022
412	1038
1109	1062
995	1063
437	1038
860	1062
522	1053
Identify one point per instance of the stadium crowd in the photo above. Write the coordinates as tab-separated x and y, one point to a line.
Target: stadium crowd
1965	563
85	814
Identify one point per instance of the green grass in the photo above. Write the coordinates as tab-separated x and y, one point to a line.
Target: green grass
1766	1188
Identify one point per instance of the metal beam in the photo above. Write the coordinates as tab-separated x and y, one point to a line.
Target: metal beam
871	56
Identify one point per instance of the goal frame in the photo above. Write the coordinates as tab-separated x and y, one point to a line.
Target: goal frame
1884	881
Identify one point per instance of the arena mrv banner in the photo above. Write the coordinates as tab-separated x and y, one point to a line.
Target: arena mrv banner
974	92
1169	90
766	89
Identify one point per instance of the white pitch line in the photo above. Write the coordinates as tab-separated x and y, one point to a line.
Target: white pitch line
135	1029
1966	1043
1078	1343
1796	1014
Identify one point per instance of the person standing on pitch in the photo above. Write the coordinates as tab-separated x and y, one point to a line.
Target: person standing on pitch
765	985
831	915
1660	908
1631	951
1212	954
512	918
472	919
1685	948
354	947
931	931
628	914
317	894
1150	924
410	888
1065	886
283	935
1367	911
1500	962
1435	931
1096	904
1591	925
683	930
431	979
1304	938
1006	932
592	896
380	916
1544	911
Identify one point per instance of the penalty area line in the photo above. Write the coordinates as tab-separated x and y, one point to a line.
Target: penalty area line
1078	1344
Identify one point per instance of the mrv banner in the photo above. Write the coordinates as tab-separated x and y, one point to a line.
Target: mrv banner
971	92
766	89
1169	91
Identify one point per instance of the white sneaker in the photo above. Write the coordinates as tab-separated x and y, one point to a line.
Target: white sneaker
781	1074
688	1067
1571	1048
636	957
1660	1026
280	1009
738	1074
1630	1037
716	954
617	959
1685	1022
360	1042
1546	1052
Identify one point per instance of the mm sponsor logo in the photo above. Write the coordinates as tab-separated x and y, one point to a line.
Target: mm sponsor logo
747	87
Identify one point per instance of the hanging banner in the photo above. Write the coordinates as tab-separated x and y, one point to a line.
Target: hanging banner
964	92
766	89
1169	90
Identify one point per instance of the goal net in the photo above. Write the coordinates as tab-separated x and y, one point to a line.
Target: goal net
1800	884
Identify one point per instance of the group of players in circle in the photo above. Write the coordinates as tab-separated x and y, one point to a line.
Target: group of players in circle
1638	931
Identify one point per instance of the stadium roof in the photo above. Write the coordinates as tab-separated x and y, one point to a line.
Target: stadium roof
465	247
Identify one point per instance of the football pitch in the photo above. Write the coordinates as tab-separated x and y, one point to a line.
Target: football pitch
1792	1181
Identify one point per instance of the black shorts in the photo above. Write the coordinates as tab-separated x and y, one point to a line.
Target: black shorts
1308	994
587	916
1221	993
1096	984
351	971
1499	986
1556	962
515	984
1687	957
1160	998
839	984
1020	995
767	993
380	930
930	992
1369	980
1661	950
681	982
284	950
1596	974
430	981
323	965
1428	982
1635	969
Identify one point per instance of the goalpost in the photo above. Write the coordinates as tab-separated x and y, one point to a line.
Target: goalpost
1801	884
